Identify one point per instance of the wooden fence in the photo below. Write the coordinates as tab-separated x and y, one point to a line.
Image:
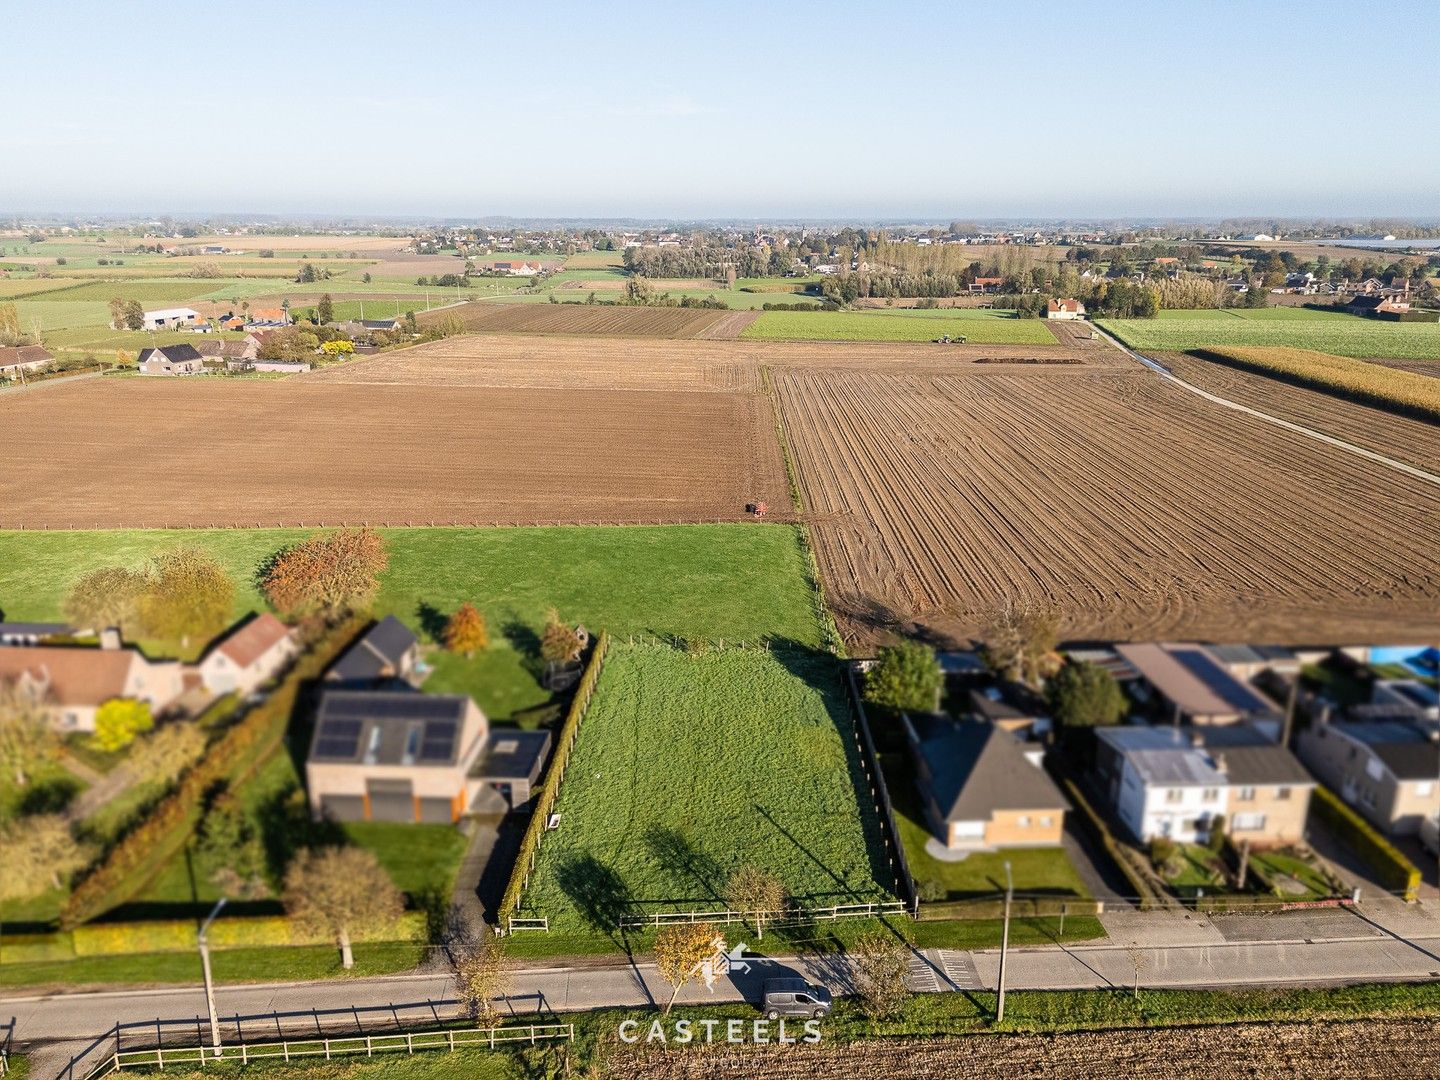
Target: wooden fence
870	762
163	1057
779	917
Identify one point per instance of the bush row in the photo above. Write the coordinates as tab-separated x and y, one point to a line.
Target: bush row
1391	867
128	865
181	935
550	789
1020	908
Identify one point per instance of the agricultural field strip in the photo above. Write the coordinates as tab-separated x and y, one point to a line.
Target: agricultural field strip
1040	508
1289	425
1388	433
1349	335
412	455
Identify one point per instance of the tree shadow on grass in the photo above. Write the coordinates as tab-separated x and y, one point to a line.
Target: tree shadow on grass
432	620
679	855
526	642
598	893
285	827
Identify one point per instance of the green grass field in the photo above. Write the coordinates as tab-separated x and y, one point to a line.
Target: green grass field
705	581
1337	334
983	326
1269	314
43	316
688	766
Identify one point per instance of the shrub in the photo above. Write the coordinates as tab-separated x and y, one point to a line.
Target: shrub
327	574
1083	695
118	721
1162	850
1392	868
906	678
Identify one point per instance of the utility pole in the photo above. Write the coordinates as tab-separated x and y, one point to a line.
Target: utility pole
209	985
1004	943
1290	710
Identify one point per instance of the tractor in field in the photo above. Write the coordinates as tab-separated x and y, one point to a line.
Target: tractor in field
757	510
950	339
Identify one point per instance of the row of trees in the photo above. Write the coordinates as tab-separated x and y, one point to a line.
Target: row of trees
178	595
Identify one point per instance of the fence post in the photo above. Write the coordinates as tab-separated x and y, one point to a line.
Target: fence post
327	1048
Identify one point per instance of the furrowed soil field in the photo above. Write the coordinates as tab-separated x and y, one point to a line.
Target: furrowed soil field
1376	428
590	319
1212	1052
1136	508
318	451
771	778
979	325
1340	335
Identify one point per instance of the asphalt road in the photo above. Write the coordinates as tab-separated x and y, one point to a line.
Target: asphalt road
1386	941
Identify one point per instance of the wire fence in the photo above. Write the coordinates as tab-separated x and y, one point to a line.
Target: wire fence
777	917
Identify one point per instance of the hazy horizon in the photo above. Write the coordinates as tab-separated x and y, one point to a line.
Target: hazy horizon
1161	110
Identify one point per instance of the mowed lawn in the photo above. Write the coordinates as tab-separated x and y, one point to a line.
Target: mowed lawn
741	581
983	326
688	766
1335	333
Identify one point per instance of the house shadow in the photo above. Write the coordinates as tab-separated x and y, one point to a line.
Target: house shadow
678	854
598	893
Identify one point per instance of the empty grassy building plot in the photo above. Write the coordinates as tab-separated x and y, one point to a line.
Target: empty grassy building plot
689	765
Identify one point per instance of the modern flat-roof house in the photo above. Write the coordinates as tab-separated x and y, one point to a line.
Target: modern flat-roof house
979	788
385	654
1173	783
403	756
171	318
1388	770
393	755
76	680
1065	309
171	360
1195	686
249	656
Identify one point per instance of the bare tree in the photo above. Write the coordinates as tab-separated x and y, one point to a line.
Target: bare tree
1020	644
880	962
481	976
341	891
27	739
41	853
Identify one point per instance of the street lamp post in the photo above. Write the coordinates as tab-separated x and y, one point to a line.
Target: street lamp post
209	985
1004	943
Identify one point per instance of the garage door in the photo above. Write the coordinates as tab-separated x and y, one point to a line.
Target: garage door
391	800
343	807
436	811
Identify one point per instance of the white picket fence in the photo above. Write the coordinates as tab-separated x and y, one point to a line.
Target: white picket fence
771	918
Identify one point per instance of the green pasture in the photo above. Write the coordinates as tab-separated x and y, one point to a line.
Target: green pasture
1339	335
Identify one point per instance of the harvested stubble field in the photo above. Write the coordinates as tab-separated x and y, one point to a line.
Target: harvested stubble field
317	451
1136	508
596	320
1414	441
1215	1052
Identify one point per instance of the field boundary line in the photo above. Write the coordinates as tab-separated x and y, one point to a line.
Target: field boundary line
1299	429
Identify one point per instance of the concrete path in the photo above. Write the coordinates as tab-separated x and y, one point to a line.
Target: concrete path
1169	949
1299	429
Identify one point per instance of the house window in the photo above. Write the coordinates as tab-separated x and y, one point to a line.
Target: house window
1248	822
1247	794
1046	821
1173	795
1210	794
1024	821
1282	793
1424	788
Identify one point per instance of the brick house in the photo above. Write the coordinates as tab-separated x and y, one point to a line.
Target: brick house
76	680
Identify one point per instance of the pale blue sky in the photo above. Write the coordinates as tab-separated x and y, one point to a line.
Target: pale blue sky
708	109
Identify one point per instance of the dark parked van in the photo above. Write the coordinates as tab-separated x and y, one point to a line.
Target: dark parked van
795	997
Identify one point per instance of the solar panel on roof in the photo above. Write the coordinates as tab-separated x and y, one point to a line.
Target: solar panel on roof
439	741
1218	681
338	738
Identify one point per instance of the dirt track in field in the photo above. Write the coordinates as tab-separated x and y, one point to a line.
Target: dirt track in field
1136	508
1391	1048
1413	441
155	452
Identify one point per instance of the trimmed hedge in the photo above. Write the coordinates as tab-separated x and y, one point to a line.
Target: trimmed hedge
550	788
1020	908
36	948
128	865
1392	868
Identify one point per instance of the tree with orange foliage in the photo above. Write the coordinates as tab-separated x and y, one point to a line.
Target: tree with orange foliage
466	631
328	574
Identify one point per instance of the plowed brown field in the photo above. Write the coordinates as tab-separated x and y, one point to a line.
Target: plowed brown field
1400	437
1391	1048
591	319
1136	508
154	452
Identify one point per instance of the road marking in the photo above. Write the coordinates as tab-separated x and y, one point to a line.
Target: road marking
923	979
1165	373
960	970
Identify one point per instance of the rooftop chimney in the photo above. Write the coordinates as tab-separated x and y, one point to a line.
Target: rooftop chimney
110	638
